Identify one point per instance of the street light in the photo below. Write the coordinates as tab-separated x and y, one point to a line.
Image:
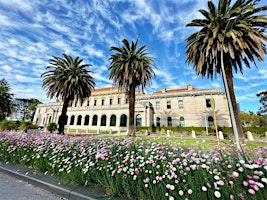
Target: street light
227	89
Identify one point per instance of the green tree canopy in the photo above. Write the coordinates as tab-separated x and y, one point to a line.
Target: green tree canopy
231	35
67	79
263	101
5	99
130	68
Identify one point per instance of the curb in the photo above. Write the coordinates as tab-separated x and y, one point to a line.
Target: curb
53	184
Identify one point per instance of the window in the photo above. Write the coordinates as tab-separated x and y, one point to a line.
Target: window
119	100
182	123
168	104
72	120
138	120
180	104
75	105
110	101
208	103
79	120
157	105
86	120
210	121
158	121
94	123
113	120
88	103
66	120
123	121
103	120
102	102
169	121
95	102
126	100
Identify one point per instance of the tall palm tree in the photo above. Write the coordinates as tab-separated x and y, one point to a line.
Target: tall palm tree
130	68
238	29
68	79
6	97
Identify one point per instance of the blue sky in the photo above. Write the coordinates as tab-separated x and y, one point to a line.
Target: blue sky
34	31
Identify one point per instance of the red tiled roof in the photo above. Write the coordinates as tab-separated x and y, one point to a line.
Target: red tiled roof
174	90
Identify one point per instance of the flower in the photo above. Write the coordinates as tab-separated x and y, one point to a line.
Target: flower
264	180
181	192
171	198
190	191
251	191
235	174
217	194
146	180
245	183
204	188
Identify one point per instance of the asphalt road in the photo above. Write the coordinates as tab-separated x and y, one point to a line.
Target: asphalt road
14	189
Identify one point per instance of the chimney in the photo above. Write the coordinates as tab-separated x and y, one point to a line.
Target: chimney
189	87
163	90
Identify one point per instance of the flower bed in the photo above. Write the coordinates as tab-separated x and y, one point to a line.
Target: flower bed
142	169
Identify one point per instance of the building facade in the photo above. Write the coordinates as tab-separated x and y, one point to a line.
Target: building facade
108	109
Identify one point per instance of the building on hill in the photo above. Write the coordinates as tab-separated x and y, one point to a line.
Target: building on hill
107	109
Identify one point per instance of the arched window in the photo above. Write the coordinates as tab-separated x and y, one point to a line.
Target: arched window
66	121
94	123
158	121
138	120
103	120
86	120
113	120
72	120
210	121
123	121
182	123
79	120
169	121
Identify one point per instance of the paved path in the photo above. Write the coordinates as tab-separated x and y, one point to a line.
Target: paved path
15	189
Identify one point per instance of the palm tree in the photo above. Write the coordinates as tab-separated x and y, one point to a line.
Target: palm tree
6	97
68	79
131	67
236	28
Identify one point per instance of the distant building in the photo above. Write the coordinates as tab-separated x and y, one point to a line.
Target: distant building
107	108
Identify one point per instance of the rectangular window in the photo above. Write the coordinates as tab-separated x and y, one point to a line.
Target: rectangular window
110	101
168	104
181	104
103	101
88	103
157	105
208	103
119	100
95	102
126	100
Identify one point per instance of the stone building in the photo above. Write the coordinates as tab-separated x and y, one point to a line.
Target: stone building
107	109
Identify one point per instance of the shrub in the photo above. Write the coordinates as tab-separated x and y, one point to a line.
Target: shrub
52	126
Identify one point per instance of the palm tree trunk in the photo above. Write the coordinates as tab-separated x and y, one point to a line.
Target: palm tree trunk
63	117
131	131
229	78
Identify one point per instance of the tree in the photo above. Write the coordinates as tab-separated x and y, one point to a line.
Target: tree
250	119
263	101
5	99
236	28
24	109
130	68
68	79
